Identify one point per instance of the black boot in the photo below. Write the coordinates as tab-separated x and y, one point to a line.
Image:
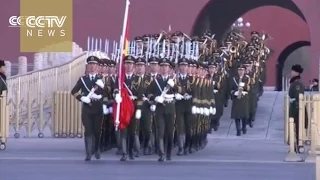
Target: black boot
88	146
124	157
137	145
244	126
237	122
124	149
161	150
180	145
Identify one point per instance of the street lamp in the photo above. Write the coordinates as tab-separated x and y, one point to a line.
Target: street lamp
239	24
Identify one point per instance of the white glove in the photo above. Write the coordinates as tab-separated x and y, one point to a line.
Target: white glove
244	92
206	111
133	97
201	110
194	110
241	84
170	82
95	96
213	82
212	110
159	99
145	98
198	110
110	110
85	99
100	83
118	98
105	109
187	96
138	114
178	96
292	100
215	90
153	108
236	93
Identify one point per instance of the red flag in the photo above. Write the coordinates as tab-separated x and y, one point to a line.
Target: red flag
126	106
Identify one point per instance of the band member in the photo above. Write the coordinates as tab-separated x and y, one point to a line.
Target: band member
3	77
296	88
131	133
161	91
240	86
91	87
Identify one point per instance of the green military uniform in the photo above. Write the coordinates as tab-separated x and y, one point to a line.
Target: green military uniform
131	134
296	88
164	111
240	86
3	78
92	109
183	108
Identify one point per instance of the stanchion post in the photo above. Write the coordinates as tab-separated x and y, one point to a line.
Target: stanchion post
292	156
318	164
286	119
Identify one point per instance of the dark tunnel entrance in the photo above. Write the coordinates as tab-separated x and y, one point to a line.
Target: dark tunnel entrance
210	16
282	58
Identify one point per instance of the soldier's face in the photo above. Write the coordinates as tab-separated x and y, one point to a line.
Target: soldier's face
92	68
140	69
154	67
104	69
165	69
184	68
212	69
294	74
3	69
129	67
111	69
241	72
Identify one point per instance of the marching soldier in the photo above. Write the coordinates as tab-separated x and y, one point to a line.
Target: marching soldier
296	88
240	86
3	78
131	133
91	87
161	91
218	94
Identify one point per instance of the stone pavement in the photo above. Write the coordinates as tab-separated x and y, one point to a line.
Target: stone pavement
258	155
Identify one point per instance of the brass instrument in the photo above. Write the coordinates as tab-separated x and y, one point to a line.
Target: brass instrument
240	88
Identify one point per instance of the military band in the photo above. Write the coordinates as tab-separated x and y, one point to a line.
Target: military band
180	87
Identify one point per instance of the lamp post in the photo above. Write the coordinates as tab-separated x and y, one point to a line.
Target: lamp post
240	24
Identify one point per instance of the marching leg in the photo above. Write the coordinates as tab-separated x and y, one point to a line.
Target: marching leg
123	137
238	128
244	125
88	146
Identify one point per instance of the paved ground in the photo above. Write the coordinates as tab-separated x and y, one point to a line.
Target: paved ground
258	155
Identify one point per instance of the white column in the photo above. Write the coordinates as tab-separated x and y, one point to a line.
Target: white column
38	61
22	65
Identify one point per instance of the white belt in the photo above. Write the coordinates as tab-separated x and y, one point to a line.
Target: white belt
168	100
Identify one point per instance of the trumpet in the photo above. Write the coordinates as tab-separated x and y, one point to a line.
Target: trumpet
233	49
240	88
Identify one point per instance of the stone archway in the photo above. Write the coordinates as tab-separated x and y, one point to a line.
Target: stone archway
214	14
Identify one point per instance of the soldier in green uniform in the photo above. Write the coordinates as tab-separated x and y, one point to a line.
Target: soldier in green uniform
251	71
161	91
296	88
92	110
216	79
240	86
183	105
3	78
130	134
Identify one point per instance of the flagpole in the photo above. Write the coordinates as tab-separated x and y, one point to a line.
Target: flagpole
122	42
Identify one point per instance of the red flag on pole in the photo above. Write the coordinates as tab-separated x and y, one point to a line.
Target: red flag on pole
123	111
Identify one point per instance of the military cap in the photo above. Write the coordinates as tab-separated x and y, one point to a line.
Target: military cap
141	60
145	37
111	63
254	33
172	64
129	59
103	62
203	65
315	80
93	60
183	61
156	36
2	63
177	33
153	60
196	64
165	61
138	38
241	66
195	38
212	63
297	68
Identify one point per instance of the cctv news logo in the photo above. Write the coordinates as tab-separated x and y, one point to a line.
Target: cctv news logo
50	26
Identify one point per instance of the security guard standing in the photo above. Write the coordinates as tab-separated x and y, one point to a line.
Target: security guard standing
161	91
296	88
91	87
130	134
240	85
3	78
